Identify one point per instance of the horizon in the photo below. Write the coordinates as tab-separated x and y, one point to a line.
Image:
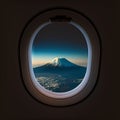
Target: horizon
39	62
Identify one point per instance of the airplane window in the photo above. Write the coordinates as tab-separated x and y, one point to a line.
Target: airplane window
59	57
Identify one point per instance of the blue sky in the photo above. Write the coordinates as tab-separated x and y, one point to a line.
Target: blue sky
59	40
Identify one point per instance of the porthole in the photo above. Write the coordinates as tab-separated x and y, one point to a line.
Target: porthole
59	57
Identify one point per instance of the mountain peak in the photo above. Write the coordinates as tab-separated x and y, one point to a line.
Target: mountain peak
62	62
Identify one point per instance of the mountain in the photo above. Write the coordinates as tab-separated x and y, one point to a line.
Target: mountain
62	62
59	75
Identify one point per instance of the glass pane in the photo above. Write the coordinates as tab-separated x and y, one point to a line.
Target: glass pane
59	57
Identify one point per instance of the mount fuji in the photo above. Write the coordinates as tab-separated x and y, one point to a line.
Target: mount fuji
59	75
62	62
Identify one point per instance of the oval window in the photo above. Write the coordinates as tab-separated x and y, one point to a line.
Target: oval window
59	57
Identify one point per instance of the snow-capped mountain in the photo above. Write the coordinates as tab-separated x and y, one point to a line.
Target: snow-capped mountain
61	62
60	66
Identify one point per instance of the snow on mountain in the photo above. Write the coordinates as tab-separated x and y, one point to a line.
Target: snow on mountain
62	62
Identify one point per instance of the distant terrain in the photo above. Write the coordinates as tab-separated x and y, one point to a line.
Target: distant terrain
60	75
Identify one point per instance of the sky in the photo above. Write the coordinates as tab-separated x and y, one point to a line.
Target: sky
59	40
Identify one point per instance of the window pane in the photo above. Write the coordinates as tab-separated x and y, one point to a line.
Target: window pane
59	57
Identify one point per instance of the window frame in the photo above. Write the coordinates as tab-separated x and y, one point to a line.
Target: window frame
93	43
